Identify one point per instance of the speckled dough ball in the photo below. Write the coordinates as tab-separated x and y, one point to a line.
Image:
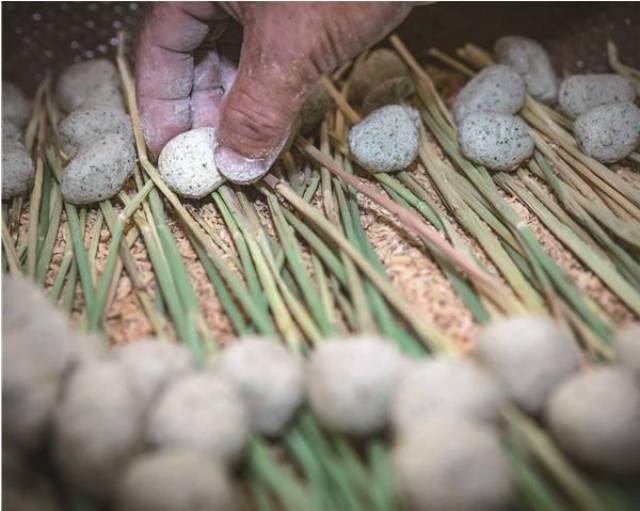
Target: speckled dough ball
269	378
386	140
394	90
16	108
496	88
497	141
381	65
595	417
203	412
88	125
99	170
172	480
529	356
186	163
314	108
580	93
448	463
530	60
151	364
627	347
446	385
351	383
80	81
97	428
11	132
608	132
17	169
37	349
106	95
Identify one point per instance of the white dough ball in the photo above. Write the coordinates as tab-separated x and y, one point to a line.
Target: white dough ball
627	347
351	383
88	125
82	80
379	66
201	411
17	169
186	163
16	108
448	463
580	93
529	356
446	385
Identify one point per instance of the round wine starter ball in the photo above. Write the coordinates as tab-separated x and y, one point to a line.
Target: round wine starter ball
595	418
608	132
99	170
97	428
314	108
627	347
186	163
448	463
172	480
497	141
530	60
89	125
378	67
386	140
37	350
446	385
151	364
17	169
351	383
496	88
580	93
85	80
394	90
11	132
201	411
269	378
529	356
16	108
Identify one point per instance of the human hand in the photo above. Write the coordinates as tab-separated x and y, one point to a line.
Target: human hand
187	77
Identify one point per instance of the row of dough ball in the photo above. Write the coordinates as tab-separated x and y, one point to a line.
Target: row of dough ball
97	134
607	127
17	166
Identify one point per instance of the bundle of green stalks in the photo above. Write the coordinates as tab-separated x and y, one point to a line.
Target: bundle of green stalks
300	267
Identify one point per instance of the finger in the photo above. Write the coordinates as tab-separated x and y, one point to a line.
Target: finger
165	67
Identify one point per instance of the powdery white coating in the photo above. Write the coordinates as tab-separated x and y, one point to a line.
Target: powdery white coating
201	411
97	428
529	356
17	169
351	383
448	463
381	65
186	163
82	80
497	141
496	88
269	378
88	125
386	140
314	108
608	132
11	132
580	93
174	479
595	418
99	170
531	61
16	108
446	385
151	364
394	90
627	347
37	349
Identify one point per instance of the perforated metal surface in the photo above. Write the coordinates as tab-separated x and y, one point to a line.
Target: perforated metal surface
39	36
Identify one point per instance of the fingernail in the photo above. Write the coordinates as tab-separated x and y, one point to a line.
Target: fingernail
240	169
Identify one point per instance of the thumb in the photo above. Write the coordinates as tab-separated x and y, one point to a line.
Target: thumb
260	109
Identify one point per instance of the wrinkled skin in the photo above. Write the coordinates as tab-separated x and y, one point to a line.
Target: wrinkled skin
187	75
